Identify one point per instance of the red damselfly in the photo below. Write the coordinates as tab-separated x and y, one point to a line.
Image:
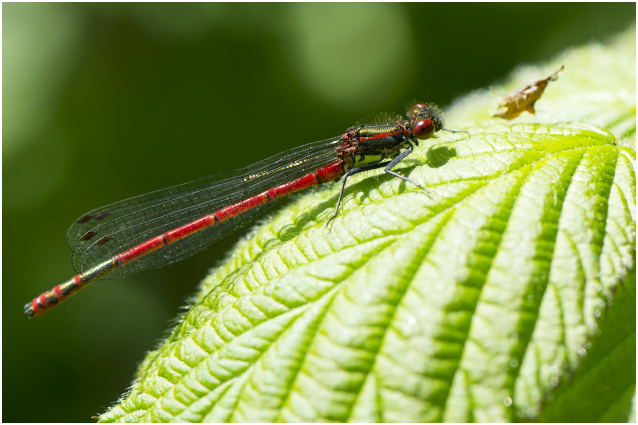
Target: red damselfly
153	230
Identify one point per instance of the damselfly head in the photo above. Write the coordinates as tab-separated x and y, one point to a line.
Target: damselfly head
426	120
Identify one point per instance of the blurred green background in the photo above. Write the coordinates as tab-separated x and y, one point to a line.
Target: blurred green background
106	101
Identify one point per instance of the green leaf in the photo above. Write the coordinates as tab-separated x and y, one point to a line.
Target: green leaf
503	295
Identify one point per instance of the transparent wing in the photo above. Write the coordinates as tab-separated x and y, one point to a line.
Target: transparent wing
104	232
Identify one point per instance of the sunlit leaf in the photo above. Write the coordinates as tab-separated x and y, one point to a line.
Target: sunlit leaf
505	293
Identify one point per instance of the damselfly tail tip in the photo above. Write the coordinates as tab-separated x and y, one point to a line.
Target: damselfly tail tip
28	310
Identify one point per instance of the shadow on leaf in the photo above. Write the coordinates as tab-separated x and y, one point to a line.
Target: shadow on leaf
439	156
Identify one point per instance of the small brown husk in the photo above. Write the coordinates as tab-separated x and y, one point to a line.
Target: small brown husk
512	105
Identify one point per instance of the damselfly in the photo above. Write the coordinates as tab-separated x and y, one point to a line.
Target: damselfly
153	230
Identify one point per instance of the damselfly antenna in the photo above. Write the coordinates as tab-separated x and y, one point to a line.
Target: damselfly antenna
455	131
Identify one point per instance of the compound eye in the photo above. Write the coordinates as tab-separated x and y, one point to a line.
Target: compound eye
424	129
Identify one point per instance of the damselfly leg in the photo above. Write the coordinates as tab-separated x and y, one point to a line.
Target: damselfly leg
389	165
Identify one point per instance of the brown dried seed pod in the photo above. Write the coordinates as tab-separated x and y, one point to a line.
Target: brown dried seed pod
512	105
